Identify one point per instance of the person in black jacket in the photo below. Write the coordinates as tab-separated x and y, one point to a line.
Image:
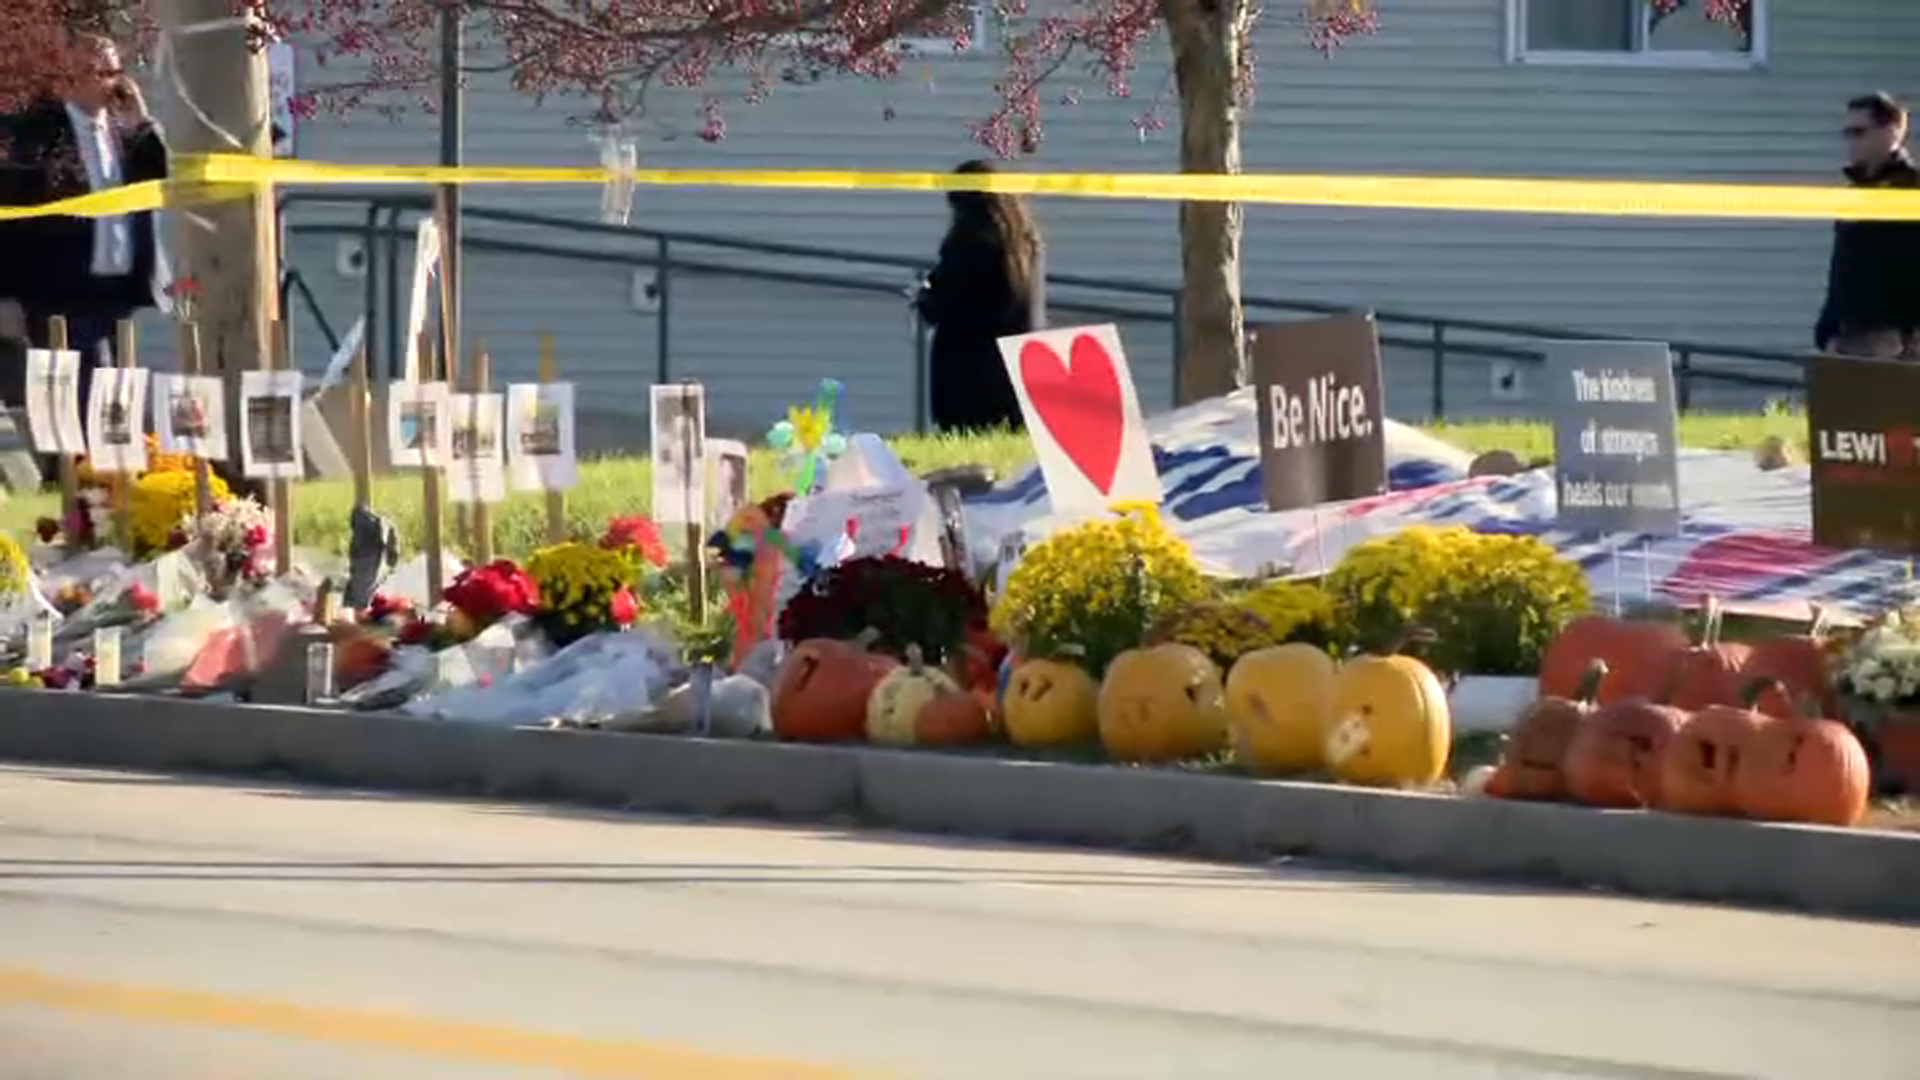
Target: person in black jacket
985	288
91	133
1873	283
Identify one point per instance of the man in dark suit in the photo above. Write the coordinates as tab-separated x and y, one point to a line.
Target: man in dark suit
1873	283
91	133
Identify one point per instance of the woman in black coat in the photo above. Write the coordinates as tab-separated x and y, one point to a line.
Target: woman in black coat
984	288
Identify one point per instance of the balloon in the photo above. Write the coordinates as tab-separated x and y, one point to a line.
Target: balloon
780	436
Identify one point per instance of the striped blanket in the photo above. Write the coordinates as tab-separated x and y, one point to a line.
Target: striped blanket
1745	535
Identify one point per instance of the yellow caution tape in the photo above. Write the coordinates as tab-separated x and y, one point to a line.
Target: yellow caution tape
121	200
204	178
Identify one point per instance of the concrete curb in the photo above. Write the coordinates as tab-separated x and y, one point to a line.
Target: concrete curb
1832	871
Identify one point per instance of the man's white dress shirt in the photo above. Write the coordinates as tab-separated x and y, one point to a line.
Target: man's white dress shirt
99	144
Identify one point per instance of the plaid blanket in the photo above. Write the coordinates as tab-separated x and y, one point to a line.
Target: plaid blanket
1745	533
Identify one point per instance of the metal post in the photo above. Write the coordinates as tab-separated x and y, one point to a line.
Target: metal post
395	353
920	361
370	295
1439	370
1178	339
663	280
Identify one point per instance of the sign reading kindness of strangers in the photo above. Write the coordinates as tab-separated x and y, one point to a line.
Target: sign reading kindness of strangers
1614	429
1864	421
1322	435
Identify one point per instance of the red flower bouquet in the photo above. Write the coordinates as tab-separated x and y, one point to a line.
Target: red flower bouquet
488	593
636	533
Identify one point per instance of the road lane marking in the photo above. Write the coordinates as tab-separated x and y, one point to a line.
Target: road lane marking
399	1032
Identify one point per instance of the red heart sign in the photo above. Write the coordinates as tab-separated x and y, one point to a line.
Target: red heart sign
1080	404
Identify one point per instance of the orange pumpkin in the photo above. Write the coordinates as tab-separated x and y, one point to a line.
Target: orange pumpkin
820	694
1639	656
1803	769
953	720
1615	758
1534	761
1697	773
1799	663
1710	672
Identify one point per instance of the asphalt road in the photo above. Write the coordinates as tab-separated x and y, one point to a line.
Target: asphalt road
162	929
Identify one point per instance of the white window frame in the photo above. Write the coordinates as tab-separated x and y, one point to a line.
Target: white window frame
1640	56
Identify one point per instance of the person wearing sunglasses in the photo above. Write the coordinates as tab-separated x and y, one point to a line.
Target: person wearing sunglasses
1873	282
90	131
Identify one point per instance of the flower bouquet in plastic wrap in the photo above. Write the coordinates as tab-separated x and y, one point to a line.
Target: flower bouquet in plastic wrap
232	545
481	633
601	679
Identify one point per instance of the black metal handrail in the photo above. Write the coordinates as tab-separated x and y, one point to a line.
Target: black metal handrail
1433	334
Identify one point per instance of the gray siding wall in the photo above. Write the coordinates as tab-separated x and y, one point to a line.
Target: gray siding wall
1432	94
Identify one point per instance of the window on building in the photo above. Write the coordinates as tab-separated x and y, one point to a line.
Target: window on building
1654	32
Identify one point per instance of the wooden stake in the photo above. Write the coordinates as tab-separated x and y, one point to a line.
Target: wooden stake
432	509
697	513
127	345
281	490
479	515
362	435
447	371
556	500
69	467
189	338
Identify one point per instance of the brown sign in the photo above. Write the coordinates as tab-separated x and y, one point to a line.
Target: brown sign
1863	419
1321	411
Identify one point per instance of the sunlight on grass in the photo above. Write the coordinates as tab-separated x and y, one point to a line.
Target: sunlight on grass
612	486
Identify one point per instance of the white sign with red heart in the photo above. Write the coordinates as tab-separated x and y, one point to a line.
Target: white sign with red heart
1084	418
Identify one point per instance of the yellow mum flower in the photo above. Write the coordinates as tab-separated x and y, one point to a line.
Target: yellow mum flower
1098	586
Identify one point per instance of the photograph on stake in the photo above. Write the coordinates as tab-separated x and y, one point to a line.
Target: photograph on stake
116	440
270	420
540	437
477	472
53	401
189	415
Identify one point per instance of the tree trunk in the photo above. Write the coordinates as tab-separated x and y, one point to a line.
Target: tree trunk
229	247
1207	38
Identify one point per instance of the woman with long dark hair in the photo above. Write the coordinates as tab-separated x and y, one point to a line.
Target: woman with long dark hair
985	287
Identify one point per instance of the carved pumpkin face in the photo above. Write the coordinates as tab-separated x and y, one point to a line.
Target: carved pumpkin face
1614	760
1392	727
1162	704
1534	761
898	697
1640	658
1697	773
957	719
1279	706
1050	703
1804	770
821	692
